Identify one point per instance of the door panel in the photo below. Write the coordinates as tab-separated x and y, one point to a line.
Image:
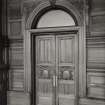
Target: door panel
66	62
55	69
45	66
45	49
65	46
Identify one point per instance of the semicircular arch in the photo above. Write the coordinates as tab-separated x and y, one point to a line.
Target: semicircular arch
46	6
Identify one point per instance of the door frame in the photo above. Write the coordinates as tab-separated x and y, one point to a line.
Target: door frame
28	66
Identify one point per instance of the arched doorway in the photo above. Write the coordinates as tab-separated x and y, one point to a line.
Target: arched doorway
56	60
54	48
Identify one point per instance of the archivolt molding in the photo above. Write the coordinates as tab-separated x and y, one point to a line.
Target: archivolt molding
34	13
72	9
46	4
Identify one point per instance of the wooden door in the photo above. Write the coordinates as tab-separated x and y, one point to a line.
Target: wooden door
67	62
56	69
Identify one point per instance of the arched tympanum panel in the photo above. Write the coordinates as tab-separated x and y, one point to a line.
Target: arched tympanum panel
55	18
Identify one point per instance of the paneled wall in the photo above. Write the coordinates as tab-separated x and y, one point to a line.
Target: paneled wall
18	11
16	56
16	94
96	51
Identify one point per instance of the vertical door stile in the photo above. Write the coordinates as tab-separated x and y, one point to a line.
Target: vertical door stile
76	69
36	71
57	69
54	60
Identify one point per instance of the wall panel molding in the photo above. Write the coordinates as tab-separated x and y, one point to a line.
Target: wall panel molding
16	54
16	80
18	98
15	29
86	101
15	9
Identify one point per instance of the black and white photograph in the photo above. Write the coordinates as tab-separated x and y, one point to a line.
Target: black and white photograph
52	52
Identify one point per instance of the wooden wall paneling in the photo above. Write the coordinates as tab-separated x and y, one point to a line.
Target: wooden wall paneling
98	19
96	92
98	13
96	33
16	80
102	70
16	57
98	5
15	9
96	85
96	53
97	25
96	65
96	41
15	29
96	78
85	101
18	98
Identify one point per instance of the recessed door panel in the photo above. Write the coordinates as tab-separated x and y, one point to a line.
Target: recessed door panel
45	49
65	45
56	69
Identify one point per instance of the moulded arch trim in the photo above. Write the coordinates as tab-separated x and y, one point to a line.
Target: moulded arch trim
72	9
45	4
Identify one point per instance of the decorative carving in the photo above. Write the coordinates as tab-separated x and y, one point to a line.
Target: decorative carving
52	2
45	72
66	73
